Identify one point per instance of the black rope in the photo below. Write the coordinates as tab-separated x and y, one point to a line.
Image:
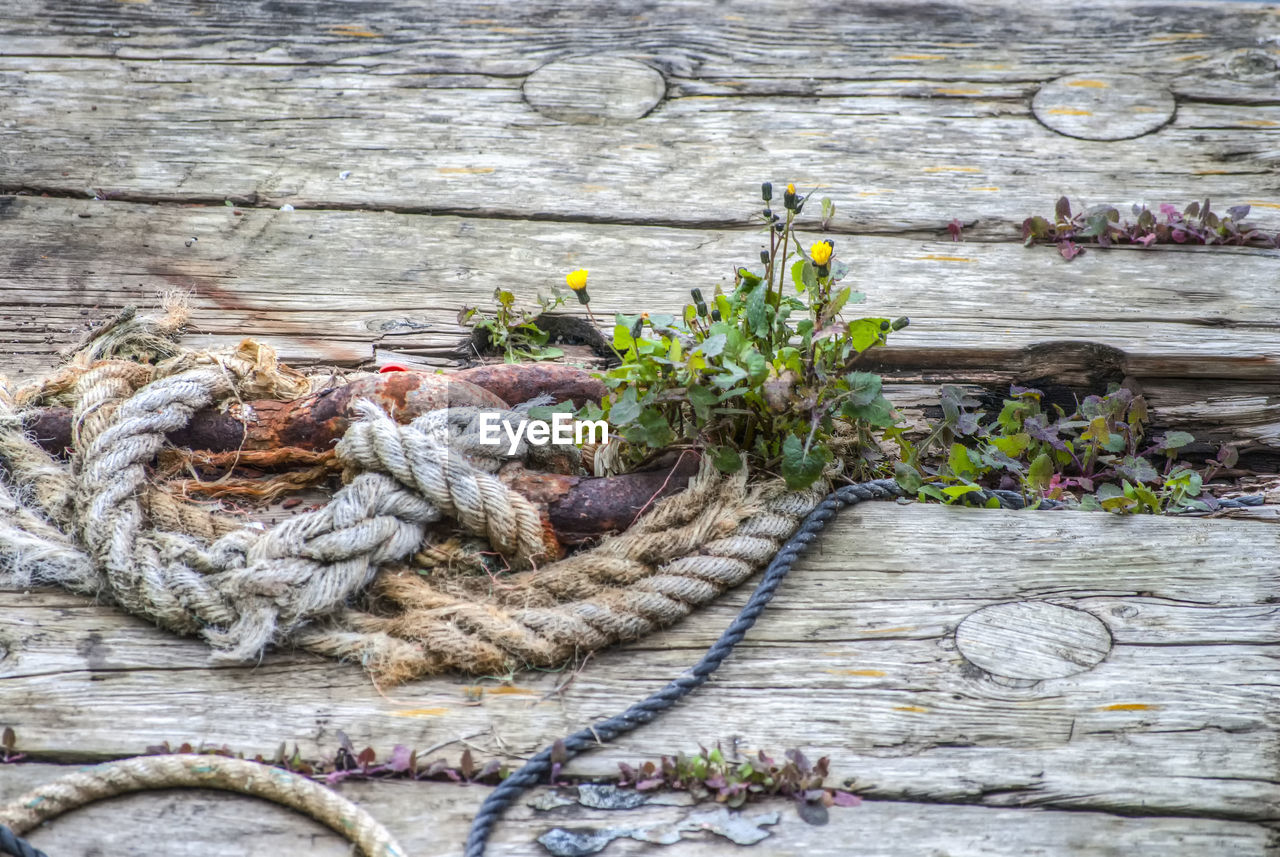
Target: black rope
12	843
642	712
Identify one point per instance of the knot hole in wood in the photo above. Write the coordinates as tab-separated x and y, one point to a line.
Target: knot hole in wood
1103	106
593	90
1032	640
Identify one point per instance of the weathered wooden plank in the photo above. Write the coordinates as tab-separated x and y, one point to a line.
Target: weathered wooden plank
857	659
198	133
1212	46
431	820
333	286
426	112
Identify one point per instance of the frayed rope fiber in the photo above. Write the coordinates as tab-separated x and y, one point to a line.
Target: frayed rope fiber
101	523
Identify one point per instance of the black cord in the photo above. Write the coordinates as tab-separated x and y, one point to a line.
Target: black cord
642	712
12	843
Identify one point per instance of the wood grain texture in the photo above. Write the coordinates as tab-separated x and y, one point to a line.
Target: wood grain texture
331	287
431	820
856	659
909	114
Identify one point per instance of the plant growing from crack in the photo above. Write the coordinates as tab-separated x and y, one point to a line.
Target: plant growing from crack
765	371
1101	225
1101	455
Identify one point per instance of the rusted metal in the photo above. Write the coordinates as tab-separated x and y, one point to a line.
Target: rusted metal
319	420
313	422
520	382
592	507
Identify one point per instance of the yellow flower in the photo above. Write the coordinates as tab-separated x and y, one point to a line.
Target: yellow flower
820	253
577	280
791	188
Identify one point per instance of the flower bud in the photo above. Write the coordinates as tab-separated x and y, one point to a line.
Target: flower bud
698	303
764	257
766	191
715	315
789	197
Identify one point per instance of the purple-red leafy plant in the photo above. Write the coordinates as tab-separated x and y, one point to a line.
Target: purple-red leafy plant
1101	225
708	774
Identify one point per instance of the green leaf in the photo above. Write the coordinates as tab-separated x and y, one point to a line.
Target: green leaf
1040	472
864	387
733	374
960	463
702	400
625	409
954	491
907	477
801	469
878	413
804	275
757	311
622	339
712	346
651	429
726	459
1175	440
865	332
1109	491
757	367
1013	445
1097	431
931	491
1137	469
1012	415
1118	504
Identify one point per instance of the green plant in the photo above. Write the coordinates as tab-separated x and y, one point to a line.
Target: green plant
1098	456
766	370
513	330
734	781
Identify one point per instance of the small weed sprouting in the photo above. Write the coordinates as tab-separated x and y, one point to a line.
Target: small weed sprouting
764	371
347	764
733	782
1196	224
511	330
1097	457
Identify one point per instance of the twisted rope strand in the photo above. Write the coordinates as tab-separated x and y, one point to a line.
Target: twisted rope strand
189	770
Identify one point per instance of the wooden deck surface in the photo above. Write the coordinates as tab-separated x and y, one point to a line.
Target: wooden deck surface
993	683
